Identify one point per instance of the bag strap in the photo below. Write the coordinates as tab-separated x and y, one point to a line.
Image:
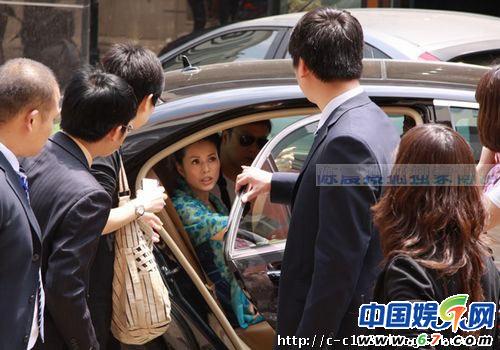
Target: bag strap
123	188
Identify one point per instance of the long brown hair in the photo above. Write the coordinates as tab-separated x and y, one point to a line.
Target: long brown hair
488	119
441	227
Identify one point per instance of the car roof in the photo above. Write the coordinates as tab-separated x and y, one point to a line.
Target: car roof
262	73
446	34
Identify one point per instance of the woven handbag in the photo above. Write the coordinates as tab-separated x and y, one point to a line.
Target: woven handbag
141	303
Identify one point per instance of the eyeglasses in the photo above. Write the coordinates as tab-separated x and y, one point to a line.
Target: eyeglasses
127	128
248	140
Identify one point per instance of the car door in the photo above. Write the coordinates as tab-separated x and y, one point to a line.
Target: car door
257	233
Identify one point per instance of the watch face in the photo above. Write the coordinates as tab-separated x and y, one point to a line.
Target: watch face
140	210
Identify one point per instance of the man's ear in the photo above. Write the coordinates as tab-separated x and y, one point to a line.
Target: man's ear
116	134
225	136
302	70
146	104
31	118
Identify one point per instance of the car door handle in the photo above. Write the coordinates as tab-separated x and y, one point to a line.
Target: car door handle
274	276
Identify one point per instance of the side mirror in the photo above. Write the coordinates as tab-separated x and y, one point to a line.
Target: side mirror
187	67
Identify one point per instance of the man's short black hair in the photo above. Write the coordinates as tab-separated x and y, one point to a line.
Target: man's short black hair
137	66
330	42
24	83
94	103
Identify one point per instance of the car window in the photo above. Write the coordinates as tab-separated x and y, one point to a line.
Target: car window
464	121
372	52
229	47
264	222
368	52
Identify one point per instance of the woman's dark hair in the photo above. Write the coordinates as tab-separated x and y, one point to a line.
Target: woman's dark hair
94	103
488	120
330	42
171	176
441	227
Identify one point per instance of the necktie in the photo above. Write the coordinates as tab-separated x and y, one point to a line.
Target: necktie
23	179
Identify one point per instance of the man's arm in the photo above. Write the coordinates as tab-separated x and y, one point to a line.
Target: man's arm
282	185
68	268
344	234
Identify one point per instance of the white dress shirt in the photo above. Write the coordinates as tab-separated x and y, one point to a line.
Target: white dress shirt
336	102
14	162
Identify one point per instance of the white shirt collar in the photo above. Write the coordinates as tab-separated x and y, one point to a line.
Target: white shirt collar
11	157
336	102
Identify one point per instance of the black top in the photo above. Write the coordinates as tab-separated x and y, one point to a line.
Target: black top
106	170
403	279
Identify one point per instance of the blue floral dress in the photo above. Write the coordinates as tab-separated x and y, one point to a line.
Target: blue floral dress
202	223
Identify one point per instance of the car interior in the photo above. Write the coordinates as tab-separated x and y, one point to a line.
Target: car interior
180	247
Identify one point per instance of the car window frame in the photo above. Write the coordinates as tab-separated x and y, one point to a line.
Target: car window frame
280	32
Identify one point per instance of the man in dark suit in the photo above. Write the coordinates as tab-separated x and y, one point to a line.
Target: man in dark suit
70	205
29	98
332	253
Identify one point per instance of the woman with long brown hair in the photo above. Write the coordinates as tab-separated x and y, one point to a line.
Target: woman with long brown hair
432	237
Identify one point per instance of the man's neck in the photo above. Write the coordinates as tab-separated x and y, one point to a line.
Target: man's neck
8	139
328	91
228	170
86	147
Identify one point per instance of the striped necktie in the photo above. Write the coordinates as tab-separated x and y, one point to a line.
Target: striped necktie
23	180
40	299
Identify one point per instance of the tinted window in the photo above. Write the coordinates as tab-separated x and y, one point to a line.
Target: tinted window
234	46
464	121
372	52
368	52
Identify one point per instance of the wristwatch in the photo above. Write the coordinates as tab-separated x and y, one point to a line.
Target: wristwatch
139	210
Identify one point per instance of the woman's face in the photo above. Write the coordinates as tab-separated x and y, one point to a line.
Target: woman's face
200	166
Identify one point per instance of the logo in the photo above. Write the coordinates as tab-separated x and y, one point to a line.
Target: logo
450	313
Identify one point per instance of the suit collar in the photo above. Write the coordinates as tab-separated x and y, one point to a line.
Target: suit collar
356	101
10	156
13	180
70	146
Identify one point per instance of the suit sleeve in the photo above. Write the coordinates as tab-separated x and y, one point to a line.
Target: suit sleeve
344	234
282	185
68	268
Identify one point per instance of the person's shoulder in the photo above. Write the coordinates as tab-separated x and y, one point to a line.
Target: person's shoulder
403	278
112	161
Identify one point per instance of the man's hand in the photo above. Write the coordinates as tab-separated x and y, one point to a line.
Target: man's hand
153	201
257	181
154	222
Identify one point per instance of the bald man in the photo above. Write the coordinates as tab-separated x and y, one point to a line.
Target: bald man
29	98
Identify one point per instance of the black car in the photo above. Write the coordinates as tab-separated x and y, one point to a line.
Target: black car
226	95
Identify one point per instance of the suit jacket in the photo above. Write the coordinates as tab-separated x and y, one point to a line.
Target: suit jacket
72	209
332	252
405	279
20	251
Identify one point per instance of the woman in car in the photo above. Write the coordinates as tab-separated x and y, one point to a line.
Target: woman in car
205	219
432	237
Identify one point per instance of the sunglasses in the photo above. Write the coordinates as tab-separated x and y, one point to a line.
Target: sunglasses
248	140
127	128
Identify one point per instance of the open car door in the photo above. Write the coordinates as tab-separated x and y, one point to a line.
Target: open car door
256	238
